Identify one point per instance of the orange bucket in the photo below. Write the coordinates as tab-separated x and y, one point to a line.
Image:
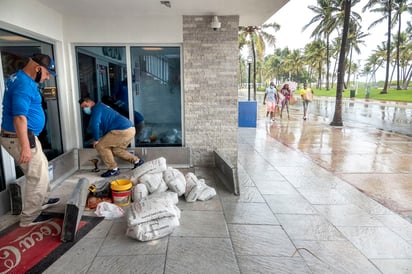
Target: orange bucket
121	191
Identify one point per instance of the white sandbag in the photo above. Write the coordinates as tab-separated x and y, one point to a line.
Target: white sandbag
152	180
149	209
193	194
175	180
154	229
154	166
206	192
170	196
162	188
193	187
191	182
139	192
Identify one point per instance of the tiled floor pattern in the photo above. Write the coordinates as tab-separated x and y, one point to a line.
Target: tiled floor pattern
292	216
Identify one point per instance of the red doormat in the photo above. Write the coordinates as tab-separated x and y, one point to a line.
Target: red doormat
34	249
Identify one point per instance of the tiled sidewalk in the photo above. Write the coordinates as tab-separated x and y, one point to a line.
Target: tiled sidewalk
294	215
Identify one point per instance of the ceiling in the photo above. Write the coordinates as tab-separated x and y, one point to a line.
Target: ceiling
251	12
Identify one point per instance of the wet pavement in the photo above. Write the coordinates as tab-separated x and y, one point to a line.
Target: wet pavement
377	162
313	199
388	116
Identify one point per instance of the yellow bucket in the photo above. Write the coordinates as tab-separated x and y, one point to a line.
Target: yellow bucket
121	191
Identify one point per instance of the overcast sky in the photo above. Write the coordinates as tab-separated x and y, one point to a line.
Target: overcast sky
295	14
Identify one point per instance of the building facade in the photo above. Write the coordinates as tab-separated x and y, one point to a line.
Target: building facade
169	65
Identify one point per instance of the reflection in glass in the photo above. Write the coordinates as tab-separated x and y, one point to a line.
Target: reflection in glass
101	72
154	94
157	94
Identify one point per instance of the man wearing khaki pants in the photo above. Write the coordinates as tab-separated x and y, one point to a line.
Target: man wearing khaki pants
117	133
22	120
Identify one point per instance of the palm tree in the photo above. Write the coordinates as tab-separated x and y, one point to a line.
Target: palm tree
407	52
257	37
315	53
337	117
335	55
385	7
400	6
271	67
293	65
373	63
326	24
355	38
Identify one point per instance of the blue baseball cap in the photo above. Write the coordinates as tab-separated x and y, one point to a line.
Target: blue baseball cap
45	61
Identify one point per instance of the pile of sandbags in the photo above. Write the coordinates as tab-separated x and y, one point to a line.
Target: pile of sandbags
155	177
156	191
153	217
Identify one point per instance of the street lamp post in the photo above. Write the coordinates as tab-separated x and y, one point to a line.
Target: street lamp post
248	78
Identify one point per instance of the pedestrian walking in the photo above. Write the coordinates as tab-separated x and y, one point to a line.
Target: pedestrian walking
307	96
270	99
286	92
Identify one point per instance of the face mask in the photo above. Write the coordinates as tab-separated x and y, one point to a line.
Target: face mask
41	86
38	77
87	110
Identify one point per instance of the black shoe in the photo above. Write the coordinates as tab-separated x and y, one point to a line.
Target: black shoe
111	172
41	219
139	163
51	202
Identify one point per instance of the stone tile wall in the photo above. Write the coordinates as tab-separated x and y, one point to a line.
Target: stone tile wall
210	88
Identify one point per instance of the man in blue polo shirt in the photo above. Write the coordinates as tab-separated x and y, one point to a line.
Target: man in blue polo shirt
22	120
112	133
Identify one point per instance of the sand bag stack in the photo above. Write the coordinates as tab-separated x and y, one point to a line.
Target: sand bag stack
153	217
155	177
148	178
155	166
156	191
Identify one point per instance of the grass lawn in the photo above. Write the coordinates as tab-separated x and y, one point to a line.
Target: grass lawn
392	95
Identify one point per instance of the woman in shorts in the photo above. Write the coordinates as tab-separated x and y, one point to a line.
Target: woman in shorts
270	99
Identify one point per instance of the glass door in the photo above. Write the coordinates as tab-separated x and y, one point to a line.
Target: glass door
14	51
151	98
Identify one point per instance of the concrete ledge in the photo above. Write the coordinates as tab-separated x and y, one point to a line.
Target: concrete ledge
74	210
226	172
177	157
60	169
